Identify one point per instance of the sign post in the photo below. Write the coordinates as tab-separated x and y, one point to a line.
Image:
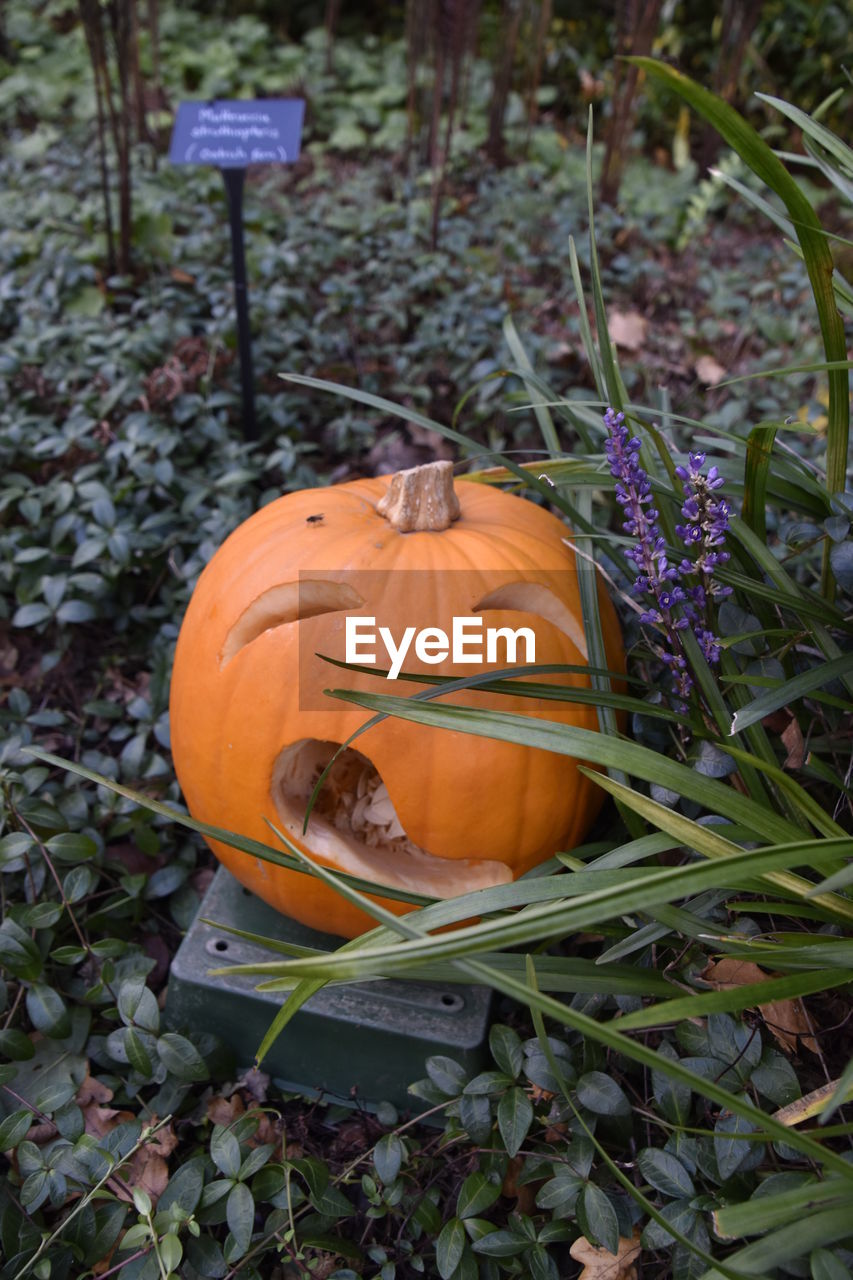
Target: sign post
232	135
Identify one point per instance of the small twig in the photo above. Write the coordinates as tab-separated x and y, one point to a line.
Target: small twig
47	1241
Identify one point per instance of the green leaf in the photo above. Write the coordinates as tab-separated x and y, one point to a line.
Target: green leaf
560	1192
515	1116
206	1256
793	1241
255	1160
47	1011
30	615
841	560
663	1172
677	1213
69	846
137	1005
582	744
181	1058
729	1150
475	1116
766	1212
826	1265
502	1244
759	451
18	953
240	1215
15	1128
540	1264
601	1094
816	253
184	1187
476	1194
446	1074
225	1151
597	1218
506	1049
137	1053
388	1157
171	1251
788	692
449	1247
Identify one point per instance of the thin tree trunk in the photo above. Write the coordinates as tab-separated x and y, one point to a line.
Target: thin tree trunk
333	9
638	27
543	26
738	22
452	44
91	18
512	14
120	15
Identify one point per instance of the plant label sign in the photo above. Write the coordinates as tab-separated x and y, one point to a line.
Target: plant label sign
232	134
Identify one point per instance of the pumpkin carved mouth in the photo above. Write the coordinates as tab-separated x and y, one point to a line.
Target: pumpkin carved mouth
354	827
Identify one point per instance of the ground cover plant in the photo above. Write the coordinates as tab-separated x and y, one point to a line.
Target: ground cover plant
674	1093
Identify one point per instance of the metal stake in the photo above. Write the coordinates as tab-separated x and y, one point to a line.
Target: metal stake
234	180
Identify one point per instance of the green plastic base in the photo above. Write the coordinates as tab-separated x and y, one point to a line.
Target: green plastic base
363	1042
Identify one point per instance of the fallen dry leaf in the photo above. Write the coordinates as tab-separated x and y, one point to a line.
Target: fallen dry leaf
792	739
627	329
100	1121
786	1020
709	370
524	1193
601	1264
149	1168
91	1090
591	86
255	1083
225	1111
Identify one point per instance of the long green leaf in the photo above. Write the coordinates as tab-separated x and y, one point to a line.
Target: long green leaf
584	744
789	691
795	1240
713	846
408	929
753	994
759	450
634	894
616	394
819	132
267	853
816	254
543	417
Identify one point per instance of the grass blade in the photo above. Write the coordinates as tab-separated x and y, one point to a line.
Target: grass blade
543	417
788	692
759	450
816	253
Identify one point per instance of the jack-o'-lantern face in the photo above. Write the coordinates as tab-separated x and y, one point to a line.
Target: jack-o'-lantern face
429	810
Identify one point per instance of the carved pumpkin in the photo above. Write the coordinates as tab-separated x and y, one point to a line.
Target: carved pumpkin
431	810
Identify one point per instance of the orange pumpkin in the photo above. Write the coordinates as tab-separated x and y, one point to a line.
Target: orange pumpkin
431	810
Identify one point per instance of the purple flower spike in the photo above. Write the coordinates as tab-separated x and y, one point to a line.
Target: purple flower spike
655	577
675	608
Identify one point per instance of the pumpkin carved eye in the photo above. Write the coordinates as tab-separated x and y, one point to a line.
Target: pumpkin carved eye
532	597
287	602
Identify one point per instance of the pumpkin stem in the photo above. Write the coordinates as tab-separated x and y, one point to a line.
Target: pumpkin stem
421	498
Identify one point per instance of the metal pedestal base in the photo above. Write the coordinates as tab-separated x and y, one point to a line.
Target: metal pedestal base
364	1041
